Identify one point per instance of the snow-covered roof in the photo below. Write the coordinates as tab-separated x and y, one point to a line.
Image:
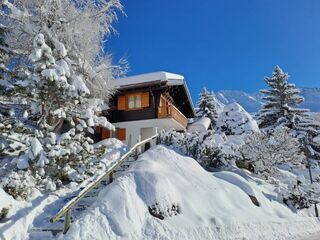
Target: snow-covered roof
174	79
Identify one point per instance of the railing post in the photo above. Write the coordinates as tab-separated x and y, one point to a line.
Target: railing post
136	153
67	221
111	177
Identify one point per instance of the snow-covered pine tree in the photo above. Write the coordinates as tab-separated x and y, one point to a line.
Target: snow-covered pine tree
206	107
62	72
82	26
281	101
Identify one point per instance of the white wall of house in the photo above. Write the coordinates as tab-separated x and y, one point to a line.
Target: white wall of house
143	129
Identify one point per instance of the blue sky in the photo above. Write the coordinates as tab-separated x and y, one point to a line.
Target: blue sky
221	44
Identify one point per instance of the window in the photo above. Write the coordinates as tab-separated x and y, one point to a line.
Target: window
138	101
134	101
131	103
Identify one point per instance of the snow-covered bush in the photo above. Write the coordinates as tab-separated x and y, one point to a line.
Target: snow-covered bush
307	130
200	146
3	213
157	212
19	184
266	150
301	194
234	120
4	85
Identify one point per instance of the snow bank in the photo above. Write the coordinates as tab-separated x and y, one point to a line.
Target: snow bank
234	120
6	201
195	204
201	125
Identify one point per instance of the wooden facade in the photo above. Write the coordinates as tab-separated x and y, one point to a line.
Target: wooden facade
148	101
153	102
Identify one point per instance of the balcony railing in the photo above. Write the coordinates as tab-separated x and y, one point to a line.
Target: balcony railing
171	111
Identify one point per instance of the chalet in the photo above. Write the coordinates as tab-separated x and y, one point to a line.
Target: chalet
146	104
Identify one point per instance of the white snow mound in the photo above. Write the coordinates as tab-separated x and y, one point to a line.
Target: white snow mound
200	125
234	120
209	206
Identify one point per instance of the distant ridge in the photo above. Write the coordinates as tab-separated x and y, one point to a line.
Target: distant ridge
252	102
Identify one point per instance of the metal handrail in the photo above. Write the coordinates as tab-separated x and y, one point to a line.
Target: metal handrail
66	209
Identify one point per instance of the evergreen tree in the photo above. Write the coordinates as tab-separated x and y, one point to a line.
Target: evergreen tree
206	107
59	79
281	100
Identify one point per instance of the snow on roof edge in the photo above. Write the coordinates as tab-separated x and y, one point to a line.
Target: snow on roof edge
147	77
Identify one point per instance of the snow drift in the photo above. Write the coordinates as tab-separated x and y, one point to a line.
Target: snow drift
168	196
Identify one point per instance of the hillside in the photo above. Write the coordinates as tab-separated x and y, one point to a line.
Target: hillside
165	195
251	102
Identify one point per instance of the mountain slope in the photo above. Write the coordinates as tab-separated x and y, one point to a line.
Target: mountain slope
252	102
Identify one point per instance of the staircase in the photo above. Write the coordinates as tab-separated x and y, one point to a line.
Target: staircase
74	204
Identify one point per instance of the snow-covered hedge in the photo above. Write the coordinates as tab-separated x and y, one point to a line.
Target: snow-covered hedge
201	146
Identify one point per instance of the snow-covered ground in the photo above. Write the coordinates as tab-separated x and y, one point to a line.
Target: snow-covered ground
187	202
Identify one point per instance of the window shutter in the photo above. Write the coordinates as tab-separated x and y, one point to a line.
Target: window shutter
121	102
105	133
121	134
145	99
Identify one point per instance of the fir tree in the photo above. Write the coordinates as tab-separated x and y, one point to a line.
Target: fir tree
282	99
206	107
58	81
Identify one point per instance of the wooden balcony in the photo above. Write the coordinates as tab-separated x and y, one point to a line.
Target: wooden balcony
170	111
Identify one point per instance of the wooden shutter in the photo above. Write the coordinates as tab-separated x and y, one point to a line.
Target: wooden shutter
121	134
145	99
105	133
122	103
